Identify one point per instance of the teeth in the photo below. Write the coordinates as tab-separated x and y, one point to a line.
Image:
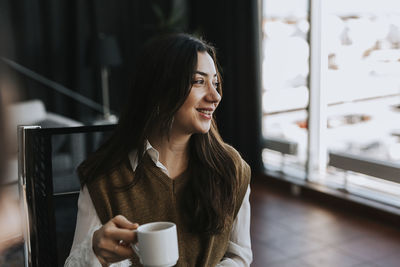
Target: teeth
208	112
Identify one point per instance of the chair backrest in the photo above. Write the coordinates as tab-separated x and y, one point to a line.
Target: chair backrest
49	188
28	112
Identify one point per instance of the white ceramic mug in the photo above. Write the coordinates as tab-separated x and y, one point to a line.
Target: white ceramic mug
157	244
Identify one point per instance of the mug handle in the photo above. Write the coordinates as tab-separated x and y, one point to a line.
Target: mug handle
134	246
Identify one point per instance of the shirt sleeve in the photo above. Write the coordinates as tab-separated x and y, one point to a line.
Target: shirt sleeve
87	223
239	253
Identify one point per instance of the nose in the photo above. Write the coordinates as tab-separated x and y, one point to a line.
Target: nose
212	94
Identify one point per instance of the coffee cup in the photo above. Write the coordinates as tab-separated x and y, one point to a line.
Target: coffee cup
157	244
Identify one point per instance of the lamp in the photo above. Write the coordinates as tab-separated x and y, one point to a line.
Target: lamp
109	56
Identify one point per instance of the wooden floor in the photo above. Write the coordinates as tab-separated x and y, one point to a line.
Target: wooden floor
296	231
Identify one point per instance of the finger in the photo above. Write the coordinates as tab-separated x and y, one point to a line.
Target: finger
122	222
117	234
106	256
122	251
112	251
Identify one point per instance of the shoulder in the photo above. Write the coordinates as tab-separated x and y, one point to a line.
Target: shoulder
104	189
112	178
243	170
243	175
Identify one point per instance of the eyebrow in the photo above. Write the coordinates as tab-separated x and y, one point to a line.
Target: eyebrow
203	73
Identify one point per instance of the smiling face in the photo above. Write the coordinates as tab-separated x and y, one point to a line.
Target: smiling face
195	115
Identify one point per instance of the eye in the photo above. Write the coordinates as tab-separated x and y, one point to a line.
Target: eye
216	84
198	81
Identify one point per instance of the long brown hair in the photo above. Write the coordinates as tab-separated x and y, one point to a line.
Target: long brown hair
162	82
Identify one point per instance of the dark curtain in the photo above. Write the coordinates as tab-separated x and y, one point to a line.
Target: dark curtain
233	26
48	38
59	40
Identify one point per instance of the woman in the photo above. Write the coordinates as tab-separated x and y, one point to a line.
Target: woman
167	162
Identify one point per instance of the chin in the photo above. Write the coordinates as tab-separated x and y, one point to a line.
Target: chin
202	130
200	127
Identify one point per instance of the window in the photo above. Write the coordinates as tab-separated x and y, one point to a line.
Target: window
331	93
285	84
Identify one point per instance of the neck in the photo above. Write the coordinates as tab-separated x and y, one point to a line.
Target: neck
173	152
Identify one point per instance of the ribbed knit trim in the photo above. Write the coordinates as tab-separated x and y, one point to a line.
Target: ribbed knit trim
172	184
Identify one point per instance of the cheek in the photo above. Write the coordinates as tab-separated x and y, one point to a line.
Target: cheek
185	114
185	110
188	109
195	95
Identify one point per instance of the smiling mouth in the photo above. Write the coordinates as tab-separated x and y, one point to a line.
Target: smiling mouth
205	113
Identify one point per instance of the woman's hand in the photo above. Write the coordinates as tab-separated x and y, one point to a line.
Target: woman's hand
111	243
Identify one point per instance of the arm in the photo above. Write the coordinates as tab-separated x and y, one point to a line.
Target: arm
239	252
87	223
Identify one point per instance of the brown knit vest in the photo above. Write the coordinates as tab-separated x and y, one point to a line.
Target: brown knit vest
156	197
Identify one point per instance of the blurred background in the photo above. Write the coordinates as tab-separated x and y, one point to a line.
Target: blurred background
331	85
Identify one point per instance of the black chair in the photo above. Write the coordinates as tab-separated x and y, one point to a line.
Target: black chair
49	188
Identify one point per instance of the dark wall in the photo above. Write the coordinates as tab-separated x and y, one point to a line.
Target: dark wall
59	39
234	28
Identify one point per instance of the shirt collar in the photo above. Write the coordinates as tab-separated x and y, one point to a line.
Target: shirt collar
153	153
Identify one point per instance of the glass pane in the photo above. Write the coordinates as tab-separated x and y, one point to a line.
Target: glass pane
362	43
285	68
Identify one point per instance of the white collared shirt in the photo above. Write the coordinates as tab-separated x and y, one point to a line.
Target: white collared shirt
239	249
